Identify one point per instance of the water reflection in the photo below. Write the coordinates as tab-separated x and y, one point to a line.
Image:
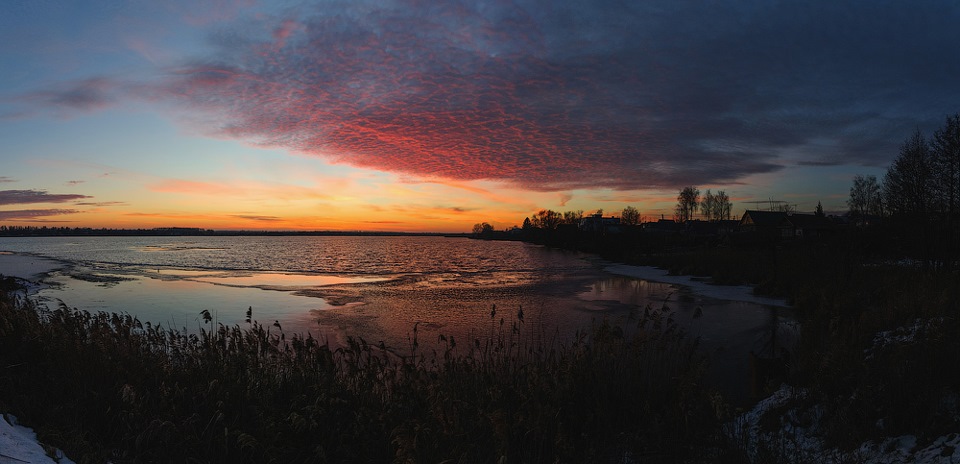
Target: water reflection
729	331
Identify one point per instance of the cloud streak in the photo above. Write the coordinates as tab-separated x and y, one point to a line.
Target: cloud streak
84	95
33	214
17	197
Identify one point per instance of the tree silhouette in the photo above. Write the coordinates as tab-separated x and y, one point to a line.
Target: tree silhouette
630	216
572	217
908	186
687	202
819	211
546	219
716	207
864	196
482	229
708	206
722	208
945	147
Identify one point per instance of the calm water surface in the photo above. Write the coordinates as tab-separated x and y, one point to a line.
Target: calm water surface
377	288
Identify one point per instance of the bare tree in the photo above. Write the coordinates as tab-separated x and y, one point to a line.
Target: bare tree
708	206
572	217
864	196
687	202
908	186
716	207
722	208
630	216
945	147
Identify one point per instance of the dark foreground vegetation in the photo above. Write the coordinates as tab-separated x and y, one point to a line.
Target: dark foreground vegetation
878	306
106	387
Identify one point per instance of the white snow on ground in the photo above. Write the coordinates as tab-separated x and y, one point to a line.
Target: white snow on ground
903	335
19	444
720	292
796	439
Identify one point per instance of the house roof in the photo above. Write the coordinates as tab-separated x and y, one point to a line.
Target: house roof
763	218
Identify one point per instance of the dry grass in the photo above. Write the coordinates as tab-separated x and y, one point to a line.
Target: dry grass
107	387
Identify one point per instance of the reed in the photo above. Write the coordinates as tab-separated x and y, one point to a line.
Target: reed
106	387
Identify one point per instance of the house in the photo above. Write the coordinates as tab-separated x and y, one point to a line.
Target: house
663	226
597	223
770	224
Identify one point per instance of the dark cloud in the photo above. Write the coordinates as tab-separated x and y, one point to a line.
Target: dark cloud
101	203
88	94
18	197
33	214
5	179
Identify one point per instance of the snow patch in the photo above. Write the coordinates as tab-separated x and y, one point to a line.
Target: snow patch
903	335
792	434
19	444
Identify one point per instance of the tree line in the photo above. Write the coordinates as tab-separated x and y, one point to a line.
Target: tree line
919	199
923	180
712	207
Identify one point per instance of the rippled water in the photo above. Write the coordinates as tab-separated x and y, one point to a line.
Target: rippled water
323	255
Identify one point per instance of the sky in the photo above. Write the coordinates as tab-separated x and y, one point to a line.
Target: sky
414	115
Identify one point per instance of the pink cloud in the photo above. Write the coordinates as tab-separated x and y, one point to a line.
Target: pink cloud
457	93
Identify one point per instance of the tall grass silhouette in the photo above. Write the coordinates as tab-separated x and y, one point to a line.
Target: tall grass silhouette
108	387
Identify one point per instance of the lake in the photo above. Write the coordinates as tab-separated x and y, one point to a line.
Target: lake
377	288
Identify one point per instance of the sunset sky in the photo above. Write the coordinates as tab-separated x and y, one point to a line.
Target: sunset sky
432	116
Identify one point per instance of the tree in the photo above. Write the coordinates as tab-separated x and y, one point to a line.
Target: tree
708	206
687	202
526	224
864	196
945	147
785	207
546	219
482	229
722	207
716	207
819	211
908	186
572	217
630	216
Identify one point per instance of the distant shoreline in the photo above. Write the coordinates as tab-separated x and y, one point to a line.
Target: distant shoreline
198	232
